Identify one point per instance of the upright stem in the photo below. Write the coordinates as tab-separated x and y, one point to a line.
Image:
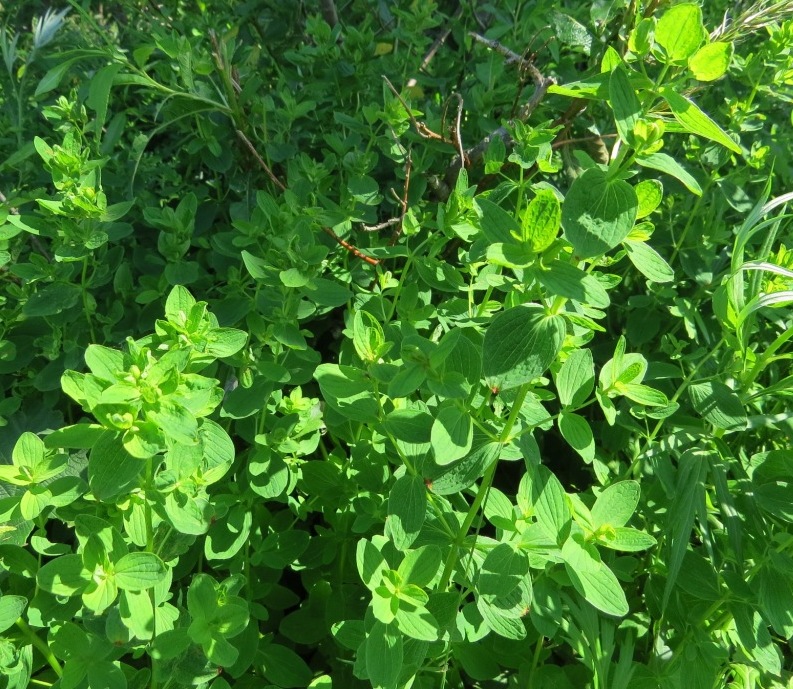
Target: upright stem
147	515
86	310
36	640
484	488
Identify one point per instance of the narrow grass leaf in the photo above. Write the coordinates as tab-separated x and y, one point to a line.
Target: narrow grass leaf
688	500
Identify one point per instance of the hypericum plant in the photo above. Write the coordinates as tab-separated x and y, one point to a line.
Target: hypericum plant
484	380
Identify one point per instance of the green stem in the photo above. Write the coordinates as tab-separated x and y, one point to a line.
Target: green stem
691	216
766	357
86	310
147	515
680	390
36	640
484	488
535	661
519	202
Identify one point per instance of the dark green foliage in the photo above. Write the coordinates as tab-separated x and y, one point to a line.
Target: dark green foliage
431	345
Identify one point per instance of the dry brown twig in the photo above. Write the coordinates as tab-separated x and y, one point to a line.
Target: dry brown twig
455	130
341	242
403	205
260	160
329	13
352	249
541	86
421	129
436	44
403	202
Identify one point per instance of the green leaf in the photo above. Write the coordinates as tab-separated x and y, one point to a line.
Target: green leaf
667	164
689	498
384	655
11	609
348	391
693	120
711	61
640	39
452	435
217	450
293	278
551	506
228	535
775	597
407	381
99	93
139	571
498	226
508	627
648	262
82	436
626	539
367	336
371	564
52	300
29	452
502	571
650	193
625	104
719	405
462	474
179	304
64	576
510	255
565	280
643	394
175	421
776	499
421	565
616	504
520	344
105	363
680	32
592	578
598	213
407	506
417	623
112	471
752	632
364	189
576	378
541	220
283	667
569	31
410	425
576	431
225	342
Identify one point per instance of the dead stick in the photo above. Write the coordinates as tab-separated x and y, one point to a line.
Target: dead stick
436	44
542	84
421	128
353	250
404	200
279	184
260	160
329	13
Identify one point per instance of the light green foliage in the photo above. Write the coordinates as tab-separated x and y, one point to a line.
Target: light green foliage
473	376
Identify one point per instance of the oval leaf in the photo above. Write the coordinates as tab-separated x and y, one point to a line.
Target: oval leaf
520	344
598	213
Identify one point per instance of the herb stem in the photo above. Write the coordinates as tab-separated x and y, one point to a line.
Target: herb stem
484	488
86	309
43	648
680	390
147	515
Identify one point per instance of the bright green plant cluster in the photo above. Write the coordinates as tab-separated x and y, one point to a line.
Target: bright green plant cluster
396	345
